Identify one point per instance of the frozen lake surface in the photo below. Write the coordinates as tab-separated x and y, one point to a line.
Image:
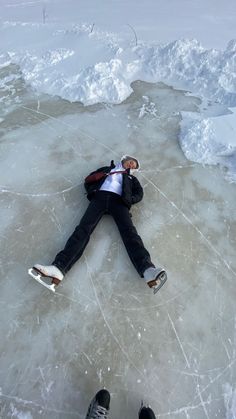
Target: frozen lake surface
103	327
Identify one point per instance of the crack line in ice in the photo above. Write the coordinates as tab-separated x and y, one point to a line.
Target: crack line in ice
149	307
54	219
172	218
74	300
190	374
179	341
46	387
202	402
184	409
191	223
108	325
212	381
43	122
167	168
37	405
33	195
226	349
23	374
87	357
71	127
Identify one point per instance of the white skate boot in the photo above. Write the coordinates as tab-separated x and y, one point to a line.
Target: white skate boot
155	278
48	276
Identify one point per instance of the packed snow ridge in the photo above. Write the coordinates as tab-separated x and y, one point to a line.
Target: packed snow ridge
97	66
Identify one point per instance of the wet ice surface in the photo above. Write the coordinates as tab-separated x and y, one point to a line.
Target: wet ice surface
103	327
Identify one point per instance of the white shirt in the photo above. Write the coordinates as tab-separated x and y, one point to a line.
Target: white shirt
113	183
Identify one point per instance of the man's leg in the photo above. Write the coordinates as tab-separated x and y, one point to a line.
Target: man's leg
77	242
132	241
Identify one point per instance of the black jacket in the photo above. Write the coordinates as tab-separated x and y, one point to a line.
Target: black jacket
132	191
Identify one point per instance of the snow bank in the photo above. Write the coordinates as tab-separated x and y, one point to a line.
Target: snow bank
82	63
210	140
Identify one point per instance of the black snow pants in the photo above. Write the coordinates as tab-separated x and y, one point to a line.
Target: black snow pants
104	202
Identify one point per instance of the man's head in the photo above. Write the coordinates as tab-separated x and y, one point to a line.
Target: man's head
130	162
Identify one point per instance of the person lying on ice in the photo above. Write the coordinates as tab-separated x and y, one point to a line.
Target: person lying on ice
110	190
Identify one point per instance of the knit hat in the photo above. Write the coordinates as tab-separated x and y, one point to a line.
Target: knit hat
126	157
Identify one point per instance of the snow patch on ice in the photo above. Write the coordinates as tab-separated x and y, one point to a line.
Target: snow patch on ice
19	414
148	108
210	140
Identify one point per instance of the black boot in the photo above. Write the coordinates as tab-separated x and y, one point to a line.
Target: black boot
99	406
146	413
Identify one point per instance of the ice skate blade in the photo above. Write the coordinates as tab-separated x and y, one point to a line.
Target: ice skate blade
36	275
160	280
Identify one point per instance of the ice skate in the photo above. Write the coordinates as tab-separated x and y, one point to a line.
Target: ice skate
48	276
155	278
99	406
